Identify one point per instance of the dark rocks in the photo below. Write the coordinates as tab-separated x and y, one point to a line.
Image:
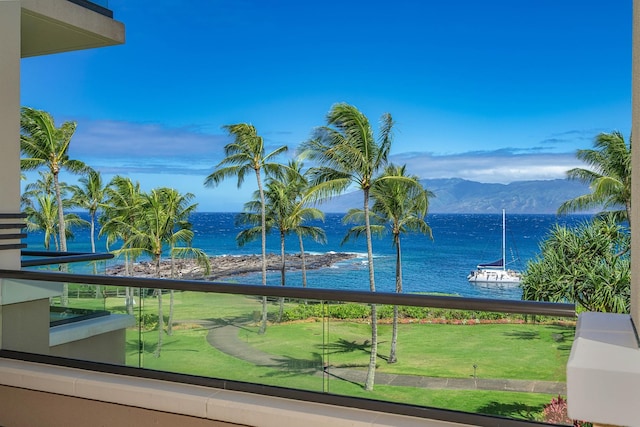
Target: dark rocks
231	265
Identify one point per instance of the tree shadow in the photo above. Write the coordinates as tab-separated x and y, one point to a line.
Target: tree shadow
343	346
523	335
511	410
239	322
286	366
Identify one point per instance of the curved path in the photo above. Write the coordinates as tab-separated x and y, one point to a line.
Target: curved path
225	338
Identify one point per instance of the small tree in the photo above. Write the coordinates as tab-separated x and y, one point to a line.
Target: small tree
588	265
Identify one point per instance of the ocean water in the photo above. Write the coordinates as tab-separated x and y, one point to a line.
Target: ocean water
460	242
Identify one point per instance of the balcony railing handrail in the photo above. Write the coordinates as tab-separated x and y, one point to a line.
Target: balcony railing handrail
419	300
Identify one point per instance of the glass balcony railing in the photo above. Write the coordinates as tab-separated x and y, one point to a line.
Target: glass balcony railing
497	358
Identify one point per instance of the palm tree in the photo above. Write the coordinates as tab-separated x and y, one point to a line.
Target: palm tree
400	206
244	154
90	195
123	208
301	212
348	154
42	215
179	208
286	212
148	235
43	144
608	176
164	221
43	186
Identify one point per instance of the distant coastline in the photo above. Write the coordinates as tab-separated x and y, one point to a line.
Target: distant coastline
226	266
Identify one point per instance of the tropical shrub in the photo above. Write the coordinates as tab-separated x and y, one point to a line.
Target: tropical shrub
556	413
588	265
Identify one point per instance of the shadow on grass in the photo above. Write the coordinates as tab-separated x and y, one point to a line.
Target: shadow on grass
523	335
343	346
511	410
290	367
240	322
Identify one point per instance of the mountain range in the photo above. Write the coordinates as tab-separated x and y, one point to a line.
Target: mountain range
456	195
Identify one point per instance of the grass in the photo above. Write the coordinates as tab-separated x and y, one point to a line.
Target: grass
513	351
188	352
510	350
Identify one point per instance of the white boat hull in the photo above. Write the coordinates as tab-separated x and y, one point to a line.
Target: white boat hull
494	276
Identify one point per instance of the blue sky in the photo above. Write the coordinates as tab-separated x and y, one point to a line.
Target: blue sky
492	91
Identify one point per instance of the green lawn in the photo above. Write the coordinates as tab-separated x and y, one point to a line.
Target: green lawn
514	351
188	352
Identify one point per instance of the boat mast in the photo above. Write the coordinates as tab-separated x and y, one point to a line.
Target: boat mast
504	235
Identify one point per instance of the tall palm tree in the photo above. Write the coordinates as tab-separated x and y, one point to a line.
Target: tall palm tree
164	222
43	144
348	154
148	235
245	154
301	211
179	237
90	195
123	208
400	206
286	212
608	175
40	204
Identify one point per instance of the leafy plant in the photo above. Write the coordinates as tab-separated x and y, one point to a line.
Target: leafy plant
556	413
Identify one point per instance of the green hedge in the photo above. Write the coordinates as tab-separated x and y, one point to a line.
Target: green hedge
354	311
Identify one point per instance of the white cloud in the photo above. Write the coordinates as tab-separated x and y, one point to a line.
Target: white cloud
500	166
123	147
156	155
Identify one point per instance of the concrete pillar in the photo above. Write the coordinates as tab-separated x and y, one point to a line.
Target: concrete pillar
23	326
635	167
10	119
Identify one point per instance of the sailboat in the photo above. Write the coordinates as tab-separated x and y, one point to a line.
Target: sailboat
496	272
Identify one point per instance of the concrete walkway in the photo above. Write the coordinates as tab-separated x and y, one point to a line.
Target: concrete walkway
226	338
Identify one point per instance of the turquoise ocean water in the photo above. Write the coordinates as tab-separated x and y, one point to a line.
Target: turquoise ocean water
460	241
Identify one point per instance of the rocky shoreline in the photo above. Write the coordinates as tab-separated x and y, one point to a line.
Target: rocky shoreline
232	265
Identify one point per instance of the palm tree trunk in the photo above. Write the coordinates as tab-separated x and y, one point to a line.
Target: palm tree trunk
282	274
263	213
160	314
373	358
160	324
62	230
93	250
62	235
304	262
128	291
93	232
170	321
394	334
171	299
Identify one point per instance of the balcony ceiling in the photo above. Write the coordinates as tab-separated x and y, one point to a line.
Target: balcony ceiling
54	26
